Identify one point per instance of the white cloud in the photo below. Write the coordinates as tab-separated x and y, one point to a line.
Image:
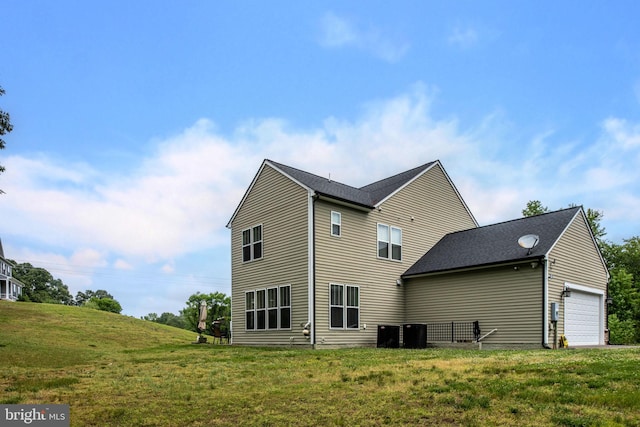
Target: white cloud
168	268
463	37
121	264
338	32
76	270
179	200
621	133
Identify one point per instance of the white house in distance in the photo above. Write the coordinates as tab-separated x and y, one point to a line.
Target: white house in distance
10	288
323	264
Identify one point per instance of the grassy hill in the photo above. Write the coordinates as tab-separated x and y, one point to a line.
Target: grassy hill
114	370
55	336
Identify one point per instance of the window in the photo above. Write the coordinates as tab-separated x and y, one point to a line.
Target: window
344	316
268	308
336	223
252	243
250	310
285	307
261	312
272	308
389	242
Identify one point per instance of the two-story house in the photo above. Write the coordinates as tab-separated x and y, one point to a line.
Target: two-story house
10	287
320	263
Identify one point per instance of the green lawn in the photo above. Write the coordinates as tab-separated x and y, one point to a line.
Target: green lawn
114	370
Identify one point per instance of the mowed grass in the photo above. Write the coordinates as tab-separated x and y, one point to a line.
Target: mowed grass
117	371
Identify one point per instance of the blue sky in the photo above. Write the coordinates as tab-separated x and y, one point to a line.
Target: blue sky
139	125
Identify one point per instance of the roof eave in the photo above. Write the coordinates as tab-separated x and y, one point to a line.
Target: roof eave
474	267
344	202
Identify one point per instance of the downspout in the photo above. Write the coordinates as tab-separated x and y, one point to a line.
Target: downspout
311	273
545	303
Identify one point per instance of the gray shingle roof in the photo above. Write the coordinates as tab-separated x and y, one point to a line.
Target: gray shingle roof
367	196
383	188
494	244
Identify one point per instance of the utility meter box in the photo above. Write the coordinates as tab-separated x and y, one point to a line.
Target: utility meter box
555	311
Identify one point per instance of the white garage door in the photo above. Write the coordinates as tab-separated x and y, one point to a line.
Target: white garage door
582	318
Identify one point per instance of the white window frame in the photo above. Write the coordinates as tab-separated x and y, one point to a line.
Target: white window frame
284	305
248	310
272	307
345	306
337	223
261	309
388	238
252	243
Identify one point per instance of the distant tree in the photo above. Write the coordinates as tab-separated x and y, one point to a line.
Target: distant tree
594	218
534	207
218	306
624	289
40	286
83	297
151	317
625	295
167	318
104	304
5	127
172	320
626	255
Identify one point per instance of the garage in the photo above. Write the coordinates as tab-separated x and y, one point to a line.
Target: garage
583	321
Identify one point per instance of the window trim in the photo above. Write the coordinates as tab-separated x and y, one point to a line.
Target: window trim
345	307
339	224
252	243
388	241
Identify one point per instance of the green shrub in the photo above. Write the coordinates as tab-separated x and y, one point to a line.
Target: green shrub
621	331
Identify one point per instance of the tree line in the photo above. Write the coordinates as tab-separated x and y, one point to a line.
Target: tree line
218	309
623	262
41	287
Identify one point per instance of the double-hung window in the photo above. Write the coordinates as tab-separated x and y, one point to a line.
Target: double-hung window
336	223
285	307
252	243
272	308
250	310
261	312
344	306
268	308
389	242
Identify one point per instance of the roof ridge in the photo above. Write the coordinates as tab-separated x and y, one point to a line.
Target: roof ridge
417	168
311	173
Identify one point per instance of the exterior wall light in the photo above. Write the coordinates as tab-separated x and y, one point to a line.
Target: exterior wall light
566	293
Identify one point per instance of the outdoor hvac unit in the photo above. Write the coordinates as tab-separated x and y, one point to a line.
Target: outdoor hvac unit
414	335
388	336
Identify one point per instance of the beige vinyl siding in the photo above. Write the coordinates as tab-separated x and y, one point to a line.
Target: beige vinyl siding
505	298
574	259
425	210
281	206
